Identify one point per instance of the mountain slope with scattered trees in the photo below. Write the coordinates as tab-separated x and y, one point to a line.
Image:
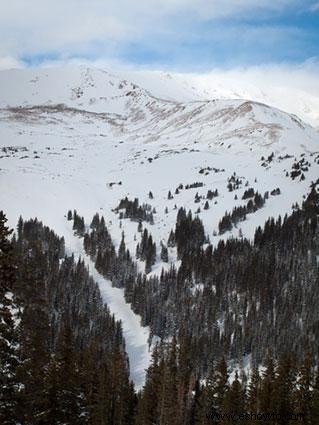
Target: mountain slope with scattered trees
236	299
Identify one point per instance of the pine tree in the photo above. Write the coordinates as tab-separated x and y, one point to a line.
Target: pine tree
95	383
168	411
206	405
120	390
253	392
220	384
164	253
193	415
314	413
204	410
95	223
267	403
9	384
122	249
303	393
70	397
34	337
148	407
51	393
20	227
284	384
171	239
234	398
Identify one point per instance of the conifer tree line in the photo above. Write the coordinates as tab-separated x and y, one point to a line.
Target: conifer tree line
55	368
236	299
62	354
239	213
286	391
134	211
146	250
116	266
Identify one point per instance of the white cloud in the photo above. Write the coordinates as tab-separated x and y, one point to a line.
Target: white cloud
98	29
292	88
76	26
302	77
8	62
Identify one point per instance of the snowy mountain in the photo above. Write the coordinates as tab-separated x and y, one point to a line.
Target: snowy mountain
78	138
79	129
301	101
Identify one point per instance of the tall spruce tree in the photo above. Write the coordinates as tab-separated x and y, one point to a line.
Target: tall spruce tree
267	394
253	392
148	411
304	391
314	412
9	384
70	397
284	384
168	411
34	332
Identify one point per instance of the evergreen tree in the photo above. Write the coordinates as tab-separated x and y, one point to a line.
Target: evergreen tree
122	249
220	384
34	338
70	397
121	407
314	413
51	414
164	253
253	392
234	398
171	239
304	391
267	394
9	384
168	411
206	406
95	223
284	384
148	408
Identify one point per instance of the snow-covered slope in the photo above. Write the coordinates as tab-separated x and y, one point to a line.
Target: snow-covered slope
302	101
77	138
67	133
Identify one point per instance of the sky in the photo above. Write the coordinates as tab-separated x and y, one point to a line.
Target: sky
260	43
184	35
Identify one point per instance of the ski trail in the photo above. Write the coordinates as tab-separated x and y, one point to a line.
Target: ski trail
136	336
